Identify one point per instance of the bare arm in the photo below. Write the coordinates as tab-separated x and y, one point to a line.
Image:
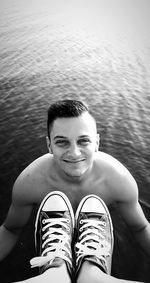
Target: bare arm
134	216
16	219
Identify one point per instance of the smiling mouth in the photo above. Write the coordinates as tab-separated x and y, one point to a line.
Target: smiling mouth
73	161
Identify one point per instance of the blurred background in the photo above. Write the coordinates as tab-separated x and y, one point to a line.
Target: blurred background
94	50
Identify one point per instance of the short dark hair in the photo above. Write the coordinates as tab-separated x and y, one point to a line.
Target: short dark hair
65	109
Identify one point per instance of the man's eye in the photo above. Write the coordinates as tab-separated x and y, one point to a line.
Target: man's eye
84	141
61	143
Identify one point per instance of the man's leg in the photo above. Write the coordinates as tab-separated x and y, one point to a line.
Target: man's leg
94	242
54	228
53	275
96	275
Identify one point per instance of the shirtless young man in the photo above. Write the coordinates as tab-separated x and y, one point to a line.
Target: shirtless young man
65	178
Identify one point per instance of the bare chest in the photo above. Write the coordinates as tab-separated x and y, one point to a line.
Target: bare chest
75	192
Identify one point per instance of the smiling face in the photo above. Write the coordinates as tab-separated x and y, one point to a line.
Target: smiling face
73	142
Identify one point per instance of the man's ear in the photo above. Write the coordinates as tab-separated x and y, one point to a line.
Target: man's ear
97	142
48	144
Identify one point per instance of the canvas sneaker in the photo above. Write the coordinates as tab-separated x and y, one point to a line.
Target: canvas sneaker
94	234
54	228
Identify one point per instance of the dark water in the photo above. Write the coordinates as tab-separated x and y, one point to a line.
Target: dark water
101	55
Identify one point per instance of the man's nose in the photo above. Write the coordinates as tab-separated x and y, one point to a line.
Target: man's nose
74	151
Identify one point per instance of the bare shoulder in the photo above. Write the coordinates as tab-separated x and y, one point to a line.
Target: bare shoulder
110	162
31	178
117	177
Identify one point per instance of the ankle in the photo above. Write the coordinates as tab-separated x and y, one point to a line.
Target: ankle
90	271
88	266
60	274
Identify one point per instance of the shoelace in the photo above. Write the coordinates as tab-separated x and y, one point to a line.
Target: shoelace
89	240
56	242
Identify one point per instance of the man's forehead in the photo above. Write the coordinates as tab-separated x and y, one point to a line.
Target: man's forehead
82	125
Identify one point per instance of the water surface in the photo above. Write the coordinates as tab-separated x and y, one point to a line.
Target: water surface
95	51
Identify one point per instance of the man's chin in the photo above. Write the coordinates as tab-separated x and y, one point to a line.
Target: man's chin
75	174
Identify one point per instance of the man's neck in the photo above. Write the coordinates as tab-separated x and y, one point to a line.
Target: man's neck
69	179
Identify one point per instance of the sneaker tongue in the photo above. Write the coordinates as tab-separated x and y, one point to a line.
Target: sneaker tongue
93	215
100	263
53	214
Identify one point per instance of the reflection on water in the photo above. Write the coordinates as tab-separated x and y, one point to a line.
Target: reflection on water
100	55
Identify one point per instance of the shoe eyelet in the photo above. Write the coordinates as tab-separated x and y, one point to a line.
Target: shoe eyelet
81	221
68	229
43	221
68	220
80	229
43	237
